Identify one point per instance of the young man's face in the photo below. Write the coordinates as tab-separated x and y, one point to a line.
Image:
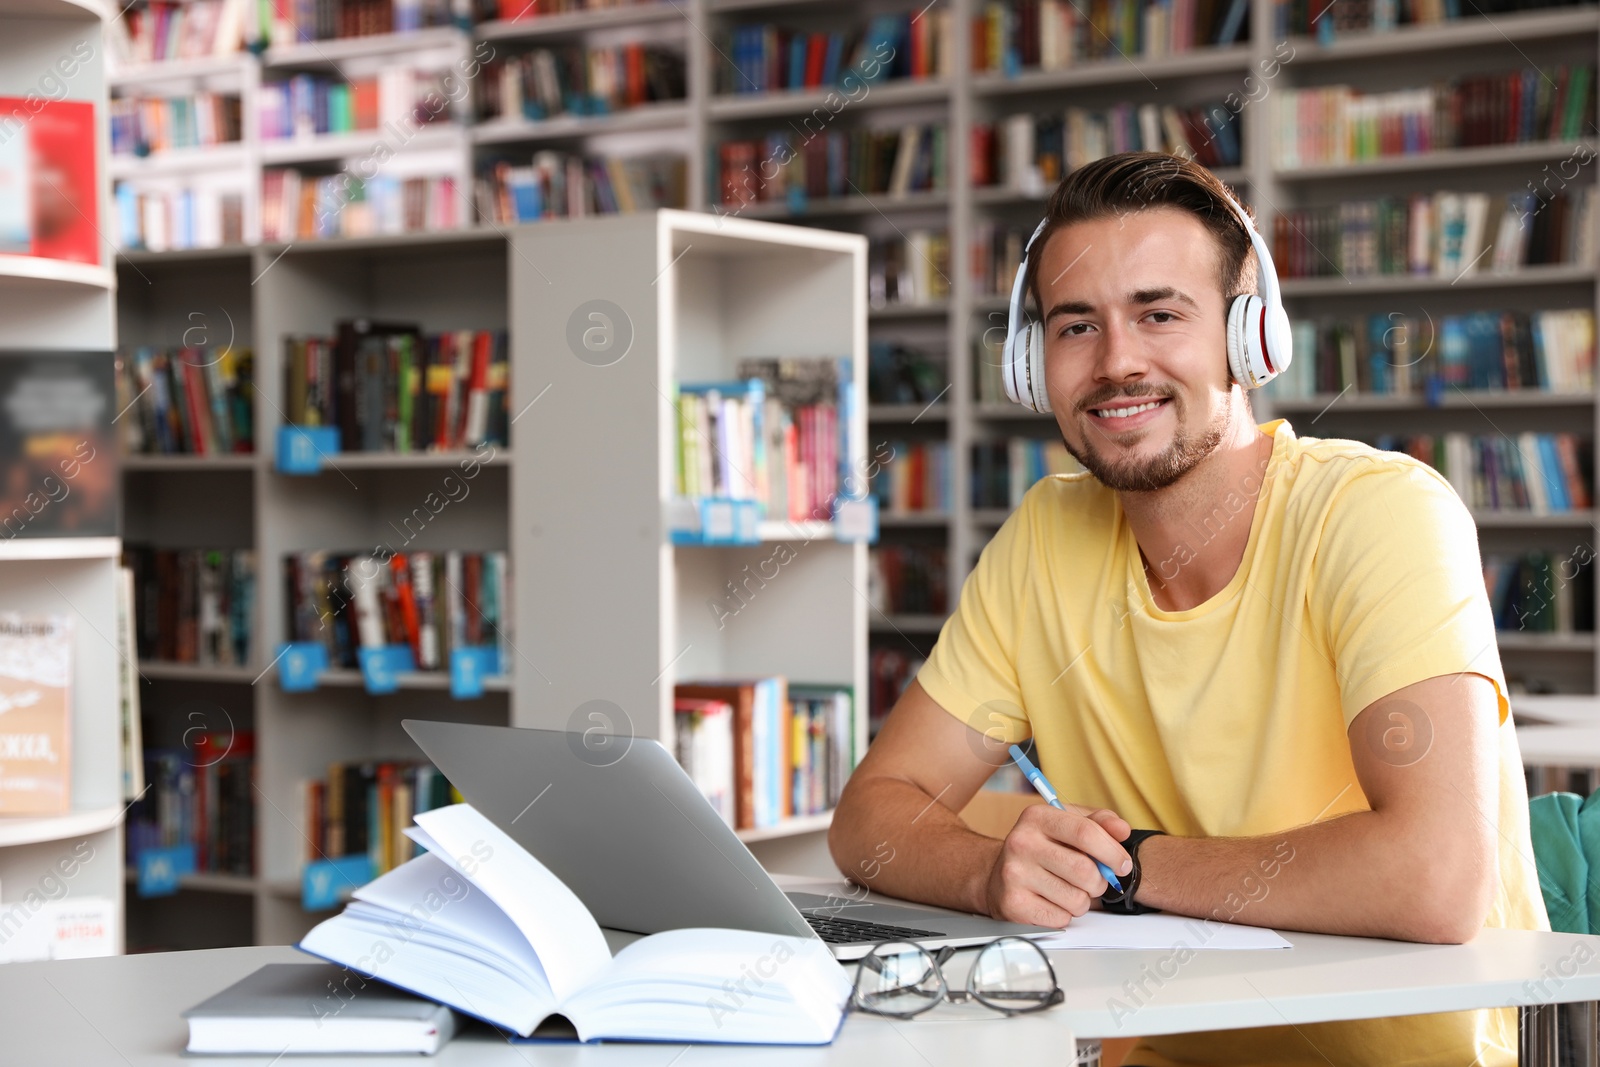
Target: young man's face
1134	317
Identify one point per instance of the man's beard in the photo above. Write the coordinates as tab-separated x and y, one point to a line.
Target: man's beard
1146	475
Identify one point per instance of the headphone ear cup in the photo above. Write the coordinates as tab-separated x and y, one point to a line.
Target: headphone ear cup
1246	361
1039	396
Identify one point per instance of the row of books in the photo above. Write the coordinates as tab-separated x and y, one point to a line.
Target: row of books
1340	124
310	104
1393	354
889	670
1541	592
322	20
431	602
164	30
898	373
1355	16
765	750
193	605
363	808
388	387
141	125
769	58
1444	234
186	401
202	796
160	219
1010	36
1540	473
835	164
916	480
908	579
296	206
1002	471
518	10
911	268
561	185
996	253
576	80
1034	152
778	436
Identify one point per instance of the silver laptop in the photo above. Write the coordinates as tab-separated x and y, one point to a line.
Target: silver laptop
626	829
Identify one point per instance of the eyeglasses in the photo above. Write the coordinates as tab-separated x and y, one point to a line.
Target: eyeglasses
1011	975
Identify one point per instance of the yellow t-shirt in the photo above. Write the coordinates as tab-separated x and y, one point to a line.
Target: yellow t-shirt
1361	575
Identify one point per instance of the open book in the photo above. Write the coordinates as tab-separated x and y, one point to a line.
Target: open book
478	923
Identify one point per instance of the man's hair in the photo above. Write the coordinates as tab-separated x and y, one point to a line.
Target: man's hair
1122	184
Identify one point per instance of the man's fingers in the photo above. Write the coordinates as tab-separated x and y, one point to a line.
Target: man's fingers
1080	830
1035	895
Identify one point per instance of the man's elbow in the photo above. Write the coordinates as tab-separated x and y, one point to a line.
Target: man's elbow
1452	898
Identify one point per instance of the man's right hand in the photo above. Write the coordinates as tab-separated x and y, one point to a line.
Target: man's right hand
1045	873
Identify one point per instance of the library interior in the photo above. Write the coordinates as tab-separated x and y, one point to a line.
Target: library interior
317	617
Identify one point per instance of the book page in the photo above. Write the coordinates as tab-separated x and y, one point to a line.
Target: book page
561	930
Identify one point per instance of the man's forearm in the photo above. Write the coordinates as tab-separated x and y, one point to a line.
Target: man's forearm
1348	875
891	837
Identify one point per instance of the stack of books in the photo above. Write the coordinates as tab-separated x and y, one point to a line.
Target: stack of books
518	10
1032	153
311	104
1538	473
162	30
1540	592
362	809
1010	36
1444	234
391	388
142	125
1355	16
1393	354
193	605
768	58
763	751
430	602
1339	124
912	268
560	185
890	670
903	374
836	163
575	80
322	20
303	207
1002	471
916	479
908	580
159	220
189	401
203	796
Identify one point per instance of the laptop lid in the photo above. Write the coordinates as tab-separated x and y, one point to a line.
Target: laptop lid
619	822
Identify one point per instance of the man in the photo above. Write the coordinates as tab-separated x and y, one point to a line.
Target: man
1276	650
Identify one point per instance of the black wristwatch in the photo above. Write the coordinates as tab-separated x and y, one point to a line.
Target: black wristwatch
1120	901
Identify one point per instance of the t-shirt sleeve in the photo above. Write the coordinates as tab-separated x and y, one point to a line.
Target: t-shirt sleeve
1398	582
972	671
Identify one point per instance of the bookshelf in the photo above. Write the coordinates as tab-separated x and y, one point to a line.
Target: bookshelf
338	276
51	306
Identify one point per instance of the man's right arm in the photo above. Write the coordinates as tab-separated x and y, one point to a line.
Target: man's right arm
897	829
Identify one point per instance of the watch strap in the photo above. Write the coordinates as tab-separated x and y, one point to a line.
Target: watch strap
1122	902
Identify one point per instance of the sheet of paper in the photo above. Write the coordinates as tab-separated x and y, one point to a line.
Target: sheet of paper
1097	929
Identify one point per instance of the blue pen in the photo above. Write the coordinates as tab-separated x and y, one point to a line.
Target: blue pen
1046	790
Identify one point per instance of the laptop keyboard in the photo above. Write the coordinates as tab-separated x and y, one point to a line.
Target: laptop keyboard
838	931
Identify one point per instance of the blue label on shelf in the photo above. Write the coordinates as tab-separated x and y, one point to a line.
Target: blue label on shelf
381	667
299	664
301	449
324	882
856	520
161	868
469	667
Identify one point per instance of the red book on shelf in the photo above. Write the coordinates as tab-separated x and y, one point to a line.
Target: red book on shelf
980	43
400	576
48	180
816	56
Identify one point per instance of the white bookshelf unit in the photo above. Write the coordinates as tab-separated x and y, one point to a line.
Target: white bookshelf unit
48	305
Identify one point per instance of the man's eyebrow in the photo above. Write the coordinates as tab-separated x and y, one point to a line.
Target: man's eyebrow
1138	296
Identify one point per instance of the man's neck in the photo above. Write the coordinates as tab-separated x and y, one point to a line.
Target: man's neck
1193	533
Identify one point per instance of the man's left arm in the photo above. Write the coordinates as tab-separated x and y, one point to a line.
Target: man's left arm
1421	865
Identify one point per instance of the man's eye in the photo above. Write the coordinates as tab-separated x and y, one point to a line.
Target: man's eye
1162	316
1076	329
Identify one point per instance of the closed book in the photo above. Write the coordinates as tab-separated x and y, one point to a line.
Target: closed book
316	1008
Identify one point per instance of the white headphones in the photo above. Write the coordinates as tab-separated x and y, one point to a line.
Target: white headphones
1260	343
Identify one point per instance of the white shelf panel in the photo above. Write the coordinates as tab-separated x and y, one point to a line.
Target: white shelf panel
415	680
1006	195
913	518
934	309
170	70
180	161
336	146
935	412
1516	641
51	548
36	270
804	824
868	204
31	831
577	21
668	114
1118	71
241	462
1382	284
1485	398
1521	520
411	460
1407	41
779	530
329	52
726	106
1441	159
906	624
210	882
196	672
55	9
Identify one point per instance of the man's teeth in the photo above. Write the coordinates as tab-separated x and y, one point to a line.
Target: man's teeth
1122	413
